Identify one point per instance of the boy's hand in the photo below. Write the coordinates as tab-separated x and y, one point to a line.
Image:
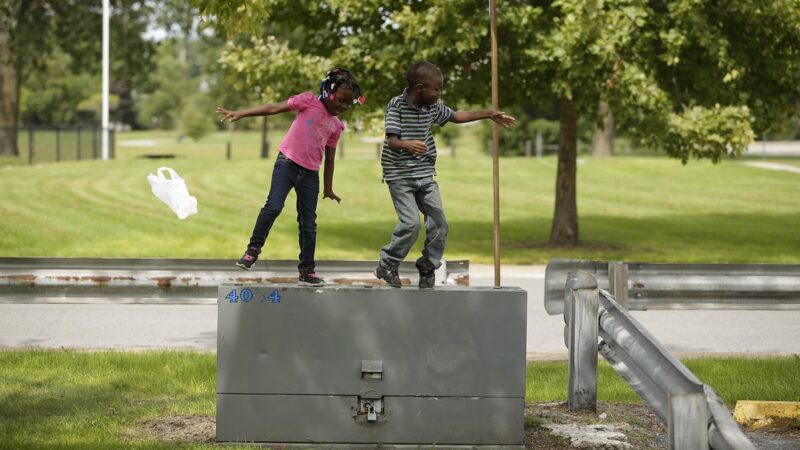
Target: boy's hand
416	147
231	116
503	119
329	194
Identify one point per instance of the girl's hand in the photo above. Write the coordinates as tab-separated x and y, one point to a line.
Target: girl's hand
329	194
416	147
231	116
503	119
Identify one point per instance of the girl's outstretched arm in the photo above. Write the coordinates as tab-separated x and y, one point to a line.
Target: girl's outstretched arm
262	110
327	192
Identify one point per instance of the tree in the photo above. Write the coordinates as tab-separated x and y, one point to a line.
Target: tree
54	95
30	30
170	85
679	75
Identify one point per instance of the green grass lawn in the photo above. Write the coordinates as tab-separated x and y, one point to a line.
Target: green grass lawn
70	399
630	208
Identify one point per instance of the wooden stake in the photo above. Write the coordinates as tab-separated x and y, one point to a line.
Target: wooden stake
495	144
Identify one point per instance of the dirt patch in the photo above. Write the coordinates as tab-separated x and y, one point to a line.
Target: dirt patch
643	430
180	429
641	427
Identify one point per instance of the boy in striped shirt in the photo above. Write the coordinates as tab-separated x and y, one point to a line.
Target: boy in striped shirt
409	165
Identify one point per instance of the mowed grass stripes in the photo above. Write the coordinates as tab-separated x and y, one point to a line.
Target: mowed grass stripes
630	208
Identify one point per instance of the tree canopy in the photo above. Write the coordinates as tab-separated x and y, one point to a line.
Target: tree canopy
694	78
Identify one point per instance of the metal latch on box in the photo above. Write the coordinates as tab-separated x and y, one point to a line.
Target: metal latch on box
370	403
371	370
371	407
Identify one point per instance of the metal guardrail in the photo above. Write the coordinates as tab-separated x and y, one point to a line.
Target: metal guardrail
131	280
643	286
695	416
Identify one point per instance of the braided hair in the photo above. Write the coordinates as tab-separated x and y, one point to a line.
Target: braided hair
336	78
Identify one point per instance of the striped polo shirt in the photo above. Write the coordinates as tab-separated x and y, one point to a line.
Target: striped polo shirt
410	123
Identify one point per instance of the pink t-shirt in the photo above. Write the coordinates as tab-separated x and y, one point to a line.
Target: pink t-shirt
312	130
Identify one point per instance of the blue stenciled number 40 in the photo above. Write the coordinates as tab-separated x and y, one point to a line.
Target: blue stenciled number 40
245	295
275	296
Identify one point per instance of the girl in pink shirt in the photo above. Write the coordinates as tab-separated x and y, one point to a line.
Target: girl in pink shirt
315	132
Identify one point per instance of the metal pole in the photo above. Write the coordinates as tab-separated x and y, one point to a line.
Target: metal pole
94	142
229	144
496	144
539	144
264	141
58	144
104	125
581	314
30	146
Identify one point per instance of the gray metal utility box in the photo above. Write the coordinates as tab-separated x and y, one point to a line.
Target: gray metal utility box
356	367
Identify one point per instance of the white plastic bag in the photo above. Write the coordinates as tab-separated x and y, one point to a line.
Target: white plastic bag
173	192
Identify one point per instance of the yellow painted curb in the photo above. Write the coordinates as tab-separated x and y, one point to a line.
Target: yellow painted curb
761	414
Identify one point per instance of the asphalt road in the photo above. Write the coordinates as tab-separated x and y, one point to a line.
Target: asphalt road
105	325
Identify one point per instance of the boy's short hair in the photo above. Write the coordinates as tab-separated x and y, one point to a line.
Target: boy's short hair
421	72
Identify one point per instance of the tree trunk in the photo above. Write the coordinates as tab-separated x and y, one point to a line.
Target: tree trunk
264	141
9	97
564	231
603	138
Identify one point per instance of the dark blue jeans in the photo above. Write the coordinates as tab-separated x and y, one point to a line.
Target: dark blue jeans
285	176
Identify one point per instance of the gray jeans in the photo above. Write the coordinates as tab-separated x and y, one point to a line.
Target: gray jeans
410	197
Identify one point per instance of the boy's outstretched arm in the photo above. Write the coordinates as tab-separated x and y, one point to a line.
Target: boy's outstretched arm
470	116
327	190
262	110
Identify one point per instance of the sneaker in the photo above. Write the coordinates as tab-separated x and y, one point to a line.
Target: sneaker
389	275
310	279
249	258
427	274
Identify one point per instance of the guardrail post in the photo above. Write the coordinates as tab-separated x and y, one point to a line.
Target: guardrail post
581	315
618	282
687	422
